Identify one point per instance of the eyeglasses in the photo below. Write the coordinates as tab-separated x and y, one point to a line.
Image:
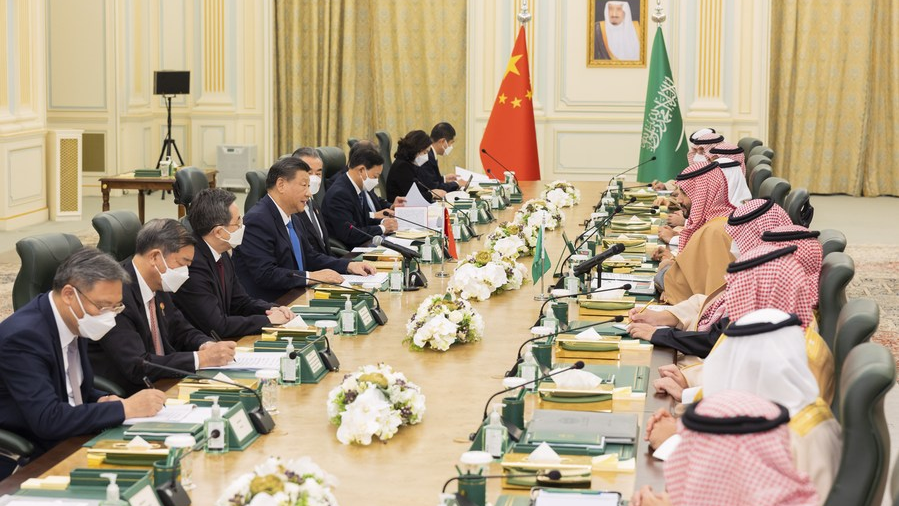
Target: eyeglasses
117	309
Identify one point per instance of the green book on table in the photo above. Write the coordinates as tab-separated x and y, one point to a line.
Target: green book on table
581	428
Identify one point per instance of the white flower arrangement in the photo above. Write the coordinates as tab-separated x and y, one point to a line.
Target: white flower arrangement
561	194
484	273
297	482
535	212
442	320
509	240
374	401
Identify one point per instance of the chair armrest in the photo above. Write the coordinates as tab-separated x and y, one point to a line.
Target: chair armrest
101	383
14	445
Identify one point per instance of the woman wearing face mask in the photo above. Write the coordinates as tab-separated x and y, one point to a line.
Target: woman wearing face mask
411	153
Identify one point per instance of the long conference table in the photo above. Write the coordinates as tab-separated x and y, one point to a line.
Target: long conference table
410	468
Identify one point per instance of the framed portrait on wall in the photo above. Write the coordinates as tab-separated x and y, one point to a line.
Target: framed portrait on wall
616	33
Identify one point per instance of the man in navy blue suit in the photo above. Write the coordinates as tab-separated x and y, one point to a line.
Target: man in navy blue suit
275	255
46	380
348	201
212	299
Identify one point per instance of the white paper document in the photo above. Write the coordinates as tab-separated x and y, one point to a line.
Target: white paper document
476	178
412	218
252	361
170	414
414	198
378	278
586	498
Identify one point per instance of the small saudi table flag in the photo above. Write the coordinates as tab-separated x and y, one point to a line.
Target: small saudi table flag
541	258
663	126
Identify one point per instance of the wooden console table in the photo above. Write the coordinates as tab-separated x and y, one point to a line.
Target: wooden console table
130	182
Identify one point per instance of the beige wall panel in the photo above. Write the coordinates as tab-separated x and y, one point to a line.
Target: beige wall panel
25	175
4	60
77	48
209	138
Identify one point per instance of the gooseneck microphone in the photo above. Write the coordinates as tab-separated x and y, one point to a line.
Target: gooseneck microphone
501	165
261	419
588	265
625	287
378	240
577	365
514	370
609	185
431	191
377	313
549	475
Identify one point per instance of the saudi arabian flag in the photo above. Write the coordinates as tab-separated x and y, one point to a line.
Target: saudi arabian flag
541	263
663	126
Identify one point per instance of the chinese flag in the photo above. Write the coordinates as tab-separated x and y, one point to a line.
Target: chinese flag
450	239
510	136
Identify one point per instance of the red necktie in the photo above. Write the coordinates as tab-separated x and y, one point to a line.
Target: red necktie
154	328
221	266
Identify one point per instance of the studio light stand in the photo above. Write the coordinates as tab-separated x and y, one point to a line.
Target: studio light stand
169	84
168	143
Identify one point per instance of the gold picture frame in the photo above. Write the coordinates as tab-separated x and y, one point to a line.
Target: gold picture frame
599	52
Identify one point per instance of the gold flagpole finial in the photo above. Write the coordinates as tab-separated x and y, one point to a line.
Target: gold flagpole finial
659	15
524	15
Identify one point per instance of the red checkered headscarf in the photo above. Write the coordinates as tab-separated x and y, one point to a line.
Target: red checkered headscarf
748	222
768	276
728	150
706	187
748	463
701	141
808	251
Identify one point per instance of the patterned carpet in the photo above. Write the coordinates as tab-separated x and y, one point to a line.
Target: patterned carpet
876	277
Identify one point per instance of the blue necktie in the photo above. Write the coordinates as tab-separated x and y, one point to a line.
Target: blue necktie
362	203
295	245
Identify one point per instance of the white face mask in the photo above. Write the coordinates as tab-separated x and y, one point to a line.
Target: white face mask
369	184
235	238
448	150
173	278
93	327
421	159
735	249
315	184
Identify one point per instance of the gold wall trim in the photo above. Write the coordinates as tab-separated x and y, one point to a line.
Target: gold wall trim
26	213
709	68
214	46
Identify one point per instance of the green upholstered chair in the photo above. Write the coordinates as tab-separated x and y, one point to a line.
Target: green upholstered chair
333	161
352	142
837	271
775	187
40	255
189	181
118	232
256	180
868	374
857	323
756	160
338	248
101	383
185	222
756	177
762	150
832	241
385	144
798	206
15	447
748	143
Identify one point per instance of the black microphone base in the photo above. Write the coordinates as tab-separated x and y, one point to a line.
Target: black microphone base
262	421
379	315
329	359
172	494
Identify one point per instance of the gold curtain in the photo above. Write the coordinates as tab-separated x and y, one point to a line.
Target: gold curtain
346	68
834	71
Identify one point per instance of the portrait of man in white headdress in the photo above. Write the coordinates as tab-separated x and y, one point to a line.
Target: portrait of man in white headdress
617	35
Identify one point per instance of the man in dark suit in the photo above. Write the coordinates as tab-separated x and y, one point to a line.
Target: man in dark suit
46	380
212	299
443	136
311	218
348	201
275	255
151	327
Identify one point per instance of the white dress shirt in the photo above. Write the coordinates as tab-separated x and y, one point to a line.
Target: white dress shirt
65	339
146	293
371	205
285	218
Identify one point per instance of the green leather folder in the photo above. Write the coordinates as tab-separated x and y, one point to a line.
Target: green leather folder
158	431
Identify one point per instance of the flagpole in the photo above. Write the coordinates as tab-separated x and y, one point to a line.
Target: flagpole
443	252
542	295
